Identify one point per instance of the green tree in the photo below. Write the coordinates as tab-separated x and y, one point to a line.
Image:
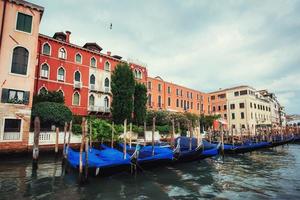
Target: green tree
122	88
52	113
50	96
140	101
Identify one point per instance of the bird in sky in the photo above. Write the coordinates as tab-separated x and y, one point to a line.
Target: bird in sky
110	26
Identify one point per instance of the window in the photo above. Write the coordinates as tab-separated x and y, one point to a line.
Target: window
177	92
159	87
45	71
180	92
213	97
61	92
187	95
181	104
46	49
250	104
251	115
243	92
77	76
149	100
149	85
93	62
106	102
192	105
76	99
232	106
14	96
169	101
107	66
106	82
191	95
61	74
177	103
214	109
232	116
236	93
78	58
255	105
243	125
169	90
159	101
24	22
92	79
19	61
242	105
219	108
233	126
242	115
12	129
198	106
225	116
137	74
62	53
91	100
202	107
225	107
221	96
43	90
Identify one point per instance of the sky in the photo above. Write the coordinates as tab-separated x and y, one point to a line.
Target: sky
201	44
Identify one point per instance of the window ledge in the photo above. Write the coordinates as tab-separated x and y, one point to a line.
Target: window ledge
19	75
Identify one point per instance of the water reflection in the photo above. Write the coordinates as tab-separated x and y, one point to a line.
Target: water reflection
268	174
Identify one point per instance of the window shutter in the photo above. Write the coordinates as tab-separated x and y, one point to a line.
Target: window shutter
4	96
26	97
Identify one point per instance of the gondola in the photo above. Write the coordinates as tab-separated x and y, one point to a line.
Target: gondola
245	147
281	140
183	152
102	161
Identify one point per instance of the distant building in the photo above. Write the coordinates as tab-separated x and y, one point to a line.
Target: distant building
19	31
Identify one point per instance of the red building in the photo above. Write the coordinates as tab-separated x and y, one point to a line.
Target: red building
82	74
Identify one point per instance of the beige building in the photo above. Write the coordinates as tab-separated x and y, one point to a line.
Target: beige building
247	109
19	30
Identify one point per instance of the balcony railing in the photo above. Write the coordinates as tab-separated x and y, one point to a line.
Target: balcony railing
106	89
93	108
92	87
11	136
77	85
102	109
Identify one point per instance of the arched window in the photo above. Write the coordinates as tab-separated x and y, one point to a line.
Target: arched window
139	74
149	99
93	62
19	61
45	71
92	79
77	76
61	74
43	90
91	100
107	66
46	49
76	99
62	53
61	92
135	73
106	102
78	58
106	82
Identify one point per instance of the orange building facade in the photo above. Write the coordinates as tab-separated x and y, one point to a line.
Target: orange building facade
163	95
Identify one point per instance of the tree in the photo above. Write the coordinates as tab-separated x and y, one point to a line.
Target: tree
140	101
52	113
122	88
50	96
207	121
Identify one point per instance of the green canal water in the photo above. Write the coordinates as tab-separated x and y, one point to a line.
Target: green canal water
268	174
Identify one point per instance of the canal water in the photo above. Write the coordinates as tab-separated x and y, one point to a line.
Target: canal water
267	174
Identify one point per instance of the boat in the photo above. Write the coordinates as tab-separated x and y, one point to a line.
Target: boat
103	161
146	156
183	153
210	150
281	140
245	147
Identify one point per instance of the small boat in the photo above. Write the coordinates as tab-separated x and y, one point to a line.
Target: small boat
182	152
210	150
103	161
146	156
245	147
281	140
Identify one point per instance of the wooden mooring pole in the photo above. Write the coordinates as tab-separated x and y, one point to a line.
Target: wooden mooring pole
65	135
153	130
81	177
130	135
86	170
145	129
35	149
112	135
173	134
56	141
191	135
124	147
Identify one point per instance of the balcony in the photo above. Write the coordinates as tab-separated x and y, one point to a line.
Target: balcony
93	108
11	136
77	85
104	109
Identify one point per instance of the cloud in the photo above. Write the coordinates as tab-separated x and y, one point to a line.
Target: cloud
204	45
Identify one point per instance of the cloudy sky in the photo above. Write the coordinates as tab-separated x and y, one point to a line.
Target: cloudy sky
205	45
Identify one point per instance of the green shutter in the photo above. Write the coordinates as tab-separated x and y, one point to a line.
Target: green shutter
24	22
26	97
28	23
4	96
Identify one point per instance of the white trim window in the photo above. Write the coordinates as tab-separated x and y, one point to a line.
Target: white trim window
62	53
93	62
91	100
78	58
24	22
76	99
61	74
77	76
20	58
46	49
12	129
45	71
107	66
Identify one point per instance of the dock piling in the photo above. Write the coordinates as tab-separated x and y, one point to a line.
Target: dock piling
35	150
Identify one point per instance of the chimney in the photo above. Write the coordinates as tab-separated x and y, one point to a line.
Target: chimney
68	33
108	53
